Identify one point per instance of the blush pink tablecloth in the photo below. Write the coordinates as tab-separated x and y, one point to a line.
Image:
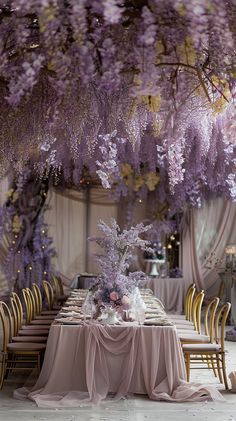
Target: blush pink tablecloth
170	291
88	362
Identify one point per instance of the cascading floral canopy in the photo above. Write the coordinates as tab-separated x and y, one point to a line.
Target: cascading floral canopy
107	84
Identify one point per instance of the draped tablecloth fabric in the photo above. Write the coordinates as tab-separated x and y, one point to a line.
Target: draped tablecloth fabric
170	291
89	361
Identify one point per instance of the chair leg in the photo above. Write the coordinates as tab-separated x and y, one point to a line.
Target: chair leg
3	371
218	368
212	365
224	372
187	363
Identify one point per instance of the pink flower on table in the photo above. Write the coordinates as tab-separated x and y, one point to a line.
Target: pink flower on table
125	300
114	296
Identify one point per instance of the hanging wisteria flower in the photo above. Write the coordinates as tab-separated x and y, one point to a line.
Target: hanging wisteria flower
157	75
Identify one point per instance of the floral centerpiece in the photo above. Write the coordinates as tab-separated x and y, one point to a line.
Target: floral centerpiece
115	285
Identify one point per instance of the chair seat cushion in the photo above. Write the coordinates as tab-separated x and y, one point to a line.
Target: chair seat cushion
177	316
200	347
187	332
41	322
49	312
25	347
33	332
56	307
45	317
185	327
34	339
194	338
35	327
182	322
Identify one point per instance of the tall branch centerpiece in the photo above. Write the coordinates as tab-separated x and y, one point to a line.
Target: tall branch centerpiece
116	285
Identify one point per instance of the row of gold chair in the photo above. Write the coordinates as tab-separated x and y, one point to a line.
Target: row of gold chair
25	336
206	349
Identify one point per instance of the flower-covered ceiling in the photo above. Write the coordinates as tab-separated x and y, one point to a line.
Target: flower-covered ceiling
140	93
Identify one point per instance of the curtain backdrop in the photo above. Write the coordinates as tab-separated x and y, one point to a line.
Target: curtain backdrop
72	217
206	233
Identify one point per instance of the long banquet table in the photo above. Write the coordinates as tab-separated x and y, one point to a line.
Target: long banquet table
89	360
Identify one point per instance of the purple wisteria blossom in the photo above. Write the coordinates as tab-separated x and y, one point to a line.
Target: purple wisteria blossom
115	282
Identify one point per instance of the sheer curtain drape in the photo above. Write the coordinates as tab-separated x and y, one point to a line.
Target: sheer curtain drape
72	217
207	231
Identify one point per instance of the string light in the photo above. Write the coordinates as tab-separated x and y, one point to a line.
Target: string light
169	246
18	270
30	268
172	237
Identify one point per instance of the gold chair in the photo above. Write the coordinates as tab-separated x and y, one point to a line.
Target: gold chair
16	356
192	336
60	296
31	338
39	302
20	328
34	307
188	305
214	352
189	302
195	315
30	310
50	296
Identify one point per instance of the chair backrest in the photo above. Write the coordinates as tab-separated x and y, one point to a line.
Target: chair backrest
186	298
58	286
14	310
6	321
19	308
33	303
209	318
196	310
189	301
49	294
28	305
220	319
55	284
38	298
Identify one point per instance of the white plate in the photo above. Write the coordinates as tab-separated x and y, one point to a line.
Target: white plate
67	321
71	313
